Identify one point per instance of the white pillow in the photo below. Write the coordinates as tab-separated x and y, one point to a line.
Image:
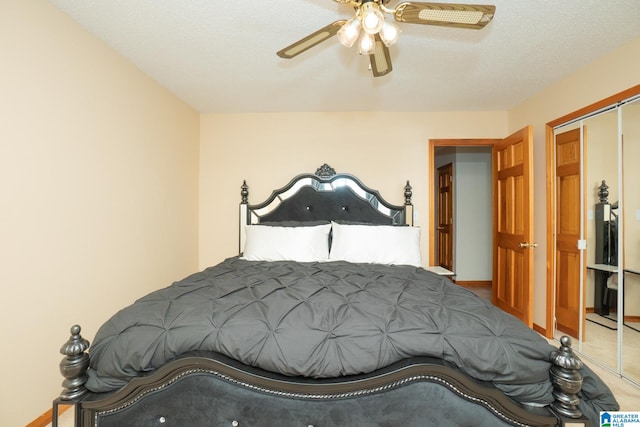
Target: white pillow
378	244
302	244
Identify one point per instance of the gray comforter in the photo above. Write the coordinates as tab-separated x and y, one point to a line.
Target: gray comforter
327	320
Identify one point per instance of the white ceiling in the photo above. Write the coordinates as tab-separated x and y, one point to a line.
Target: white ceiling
220	56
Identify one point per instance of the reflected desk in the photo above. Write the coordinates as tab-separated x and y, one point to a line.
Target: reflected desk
601	292
603	271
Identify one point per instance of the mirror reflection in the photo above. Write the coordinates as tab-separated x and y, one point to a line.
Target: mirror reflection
603	310
631	240
600	139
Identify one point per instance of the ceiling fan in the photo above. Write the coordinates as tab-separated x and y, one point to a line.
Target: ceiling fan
376	34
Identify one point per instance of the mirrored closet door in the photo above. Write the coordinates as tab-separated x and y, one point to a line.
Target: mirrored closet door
597	281
630	124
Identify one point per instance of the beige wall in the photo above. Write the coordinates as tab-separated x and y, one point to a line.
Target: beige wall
98	187
383	149
615	72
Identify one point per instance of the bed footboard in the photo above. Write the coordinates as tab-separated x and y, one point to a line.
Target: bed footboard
213	398
205	390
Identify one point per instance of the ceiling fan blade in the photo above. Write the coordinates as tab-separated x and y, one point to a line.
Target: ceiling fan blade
474	16
311	40
380	59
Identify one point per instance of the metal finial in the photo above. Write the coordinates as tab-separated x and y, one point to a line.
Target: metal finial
244	192
407	193
74	365
566	380
76	344
603	192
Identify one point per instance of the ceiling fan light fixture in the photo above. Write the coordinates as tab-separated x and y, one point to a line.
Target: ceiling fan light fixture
372	17
349	32
375	32
389	33
367	44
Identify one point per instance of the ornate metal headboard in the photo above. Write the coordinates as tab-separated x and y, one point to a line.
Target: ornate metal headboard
324	195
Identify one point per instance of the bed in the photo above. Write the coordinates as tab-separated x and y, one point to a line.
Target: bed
325	318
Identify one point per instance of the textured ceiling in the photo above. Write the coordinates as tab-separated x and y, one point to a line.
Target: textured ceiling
220	56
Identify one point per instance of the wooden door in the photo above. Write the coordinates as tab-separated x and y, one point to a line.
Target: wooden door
568	190
512	289
445	217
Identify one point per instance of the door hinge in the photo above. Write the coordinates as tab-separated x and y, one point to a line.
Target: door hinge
582	245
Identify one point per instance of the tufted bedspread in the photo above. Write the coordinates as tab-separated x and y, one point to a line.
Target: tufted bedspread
328	320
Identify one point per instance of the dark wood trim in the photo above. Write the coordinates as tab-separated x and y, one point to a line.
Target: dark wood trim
475	283
611	100
539	329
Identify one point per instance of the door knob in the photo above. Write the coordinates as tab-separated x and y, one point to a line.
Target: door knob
525	245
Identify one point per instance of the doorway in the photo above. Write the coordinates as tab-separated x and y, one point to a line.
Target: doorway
462	214
461	217
510	220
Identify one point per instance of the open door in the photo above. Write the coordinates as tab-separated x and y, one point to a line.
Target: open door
512	289
445	217
568	212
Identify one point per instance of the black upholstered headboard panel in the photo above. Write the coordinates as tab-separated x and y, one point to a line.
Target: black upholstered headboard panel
325	195
340	204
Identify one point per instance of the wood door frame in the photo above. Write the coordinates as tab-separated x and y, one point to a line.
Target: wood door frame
433	143
550	187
